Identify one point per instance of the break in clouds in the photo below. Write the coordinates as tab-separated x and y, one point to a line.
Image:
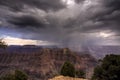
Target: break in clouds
69	23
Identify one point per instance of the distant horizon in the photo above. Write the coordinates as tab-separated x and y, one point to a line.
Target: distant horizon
57	45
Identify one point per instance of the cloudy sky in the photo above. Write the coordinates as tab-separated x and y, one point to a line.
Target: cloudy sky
69	23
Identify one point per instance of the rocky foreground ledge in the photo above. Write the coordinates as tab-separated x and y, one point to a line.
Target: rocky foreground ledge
66	78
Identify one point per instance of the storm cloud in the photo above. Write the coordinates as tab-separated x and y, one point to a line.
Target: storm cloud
69	23
25	21
17	5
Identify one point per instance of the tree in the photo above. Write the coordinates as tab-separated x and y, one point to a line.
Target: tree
80	74
109	69
3	45
68	69
8	77
18	75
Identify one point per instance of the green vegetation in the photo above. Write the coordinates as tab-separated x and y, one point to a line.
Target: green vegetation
2	44
80	74
108	69
7	77
18	75
68	69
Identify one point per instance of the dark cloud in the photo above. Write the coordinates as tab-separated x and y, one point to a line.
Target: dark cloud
78	1
115	4
14	5
17	5
27	21
105	19
111	21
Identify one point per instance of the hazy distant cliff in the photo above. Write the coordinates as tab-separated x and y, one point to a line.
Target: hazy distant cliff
45	62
